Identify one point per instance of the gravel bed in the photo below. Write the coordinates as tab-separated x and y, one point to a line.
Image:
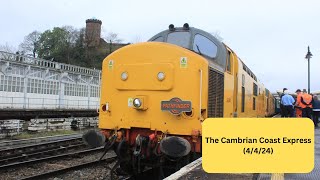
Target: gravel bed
99	172
20	172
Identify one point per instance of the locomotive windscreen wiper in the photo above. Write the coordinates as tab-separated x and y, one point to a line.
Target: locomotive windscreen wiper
198	49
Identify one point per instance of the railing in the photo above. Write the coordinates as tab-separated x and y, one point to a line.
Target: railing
46	103
46	63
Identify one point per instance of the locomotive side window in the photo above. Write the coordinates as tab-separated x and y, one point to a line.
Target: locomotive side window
179	38
204	46
158	39
229	62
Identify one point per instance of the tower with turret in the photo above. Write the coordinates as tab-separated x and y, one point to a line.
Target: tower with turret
93	32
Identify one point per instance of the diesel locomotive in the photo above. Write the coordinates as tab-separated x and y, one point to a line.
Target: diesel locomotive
156	94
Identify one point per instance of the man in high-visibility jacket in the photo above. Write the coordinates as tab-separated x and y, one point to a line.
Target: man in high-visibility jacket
298	104
306	104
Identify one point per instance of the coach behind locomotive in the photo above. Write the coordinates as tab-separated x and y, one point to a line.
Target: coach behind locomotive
157	90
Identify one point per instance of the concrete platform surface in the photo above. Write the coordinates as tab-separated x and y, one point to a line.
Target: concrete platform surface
194	171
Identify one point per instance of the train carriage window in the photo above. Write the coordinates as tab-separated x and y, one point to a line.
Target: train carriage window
267	105
179	38
204	46
255	89
244	67
267	92
254	104
243	79
158	39
243	99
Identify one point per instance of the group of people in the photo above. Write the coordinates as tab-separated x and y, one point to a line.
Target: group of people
305	105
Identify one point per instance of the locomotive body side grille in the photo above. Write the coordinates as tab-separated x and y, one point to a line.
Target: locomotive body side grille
215	93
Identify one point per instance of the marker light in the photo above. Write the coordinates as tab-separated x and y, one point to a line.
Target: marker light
161	76
137	102
124	76
171	27
186	26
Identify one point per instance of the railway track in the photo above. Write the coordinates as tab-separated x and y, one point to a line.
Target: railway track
24	157
23	142
29	149
71	168
44	159
34	160
69	155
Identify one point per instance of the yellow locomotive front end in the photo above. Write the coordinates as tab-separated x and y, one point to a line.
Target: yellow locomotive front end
153	87
155	95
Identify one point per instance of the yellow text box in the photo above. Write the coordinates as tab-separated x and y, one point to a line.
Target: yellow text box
258	145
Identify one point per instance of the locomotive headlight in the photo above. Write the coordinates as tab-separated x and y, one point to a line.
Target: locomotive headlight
161	76
124	76
137	103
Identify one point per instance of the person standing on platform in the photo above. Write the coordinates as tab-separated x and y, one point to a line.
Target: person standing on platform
287	102
306	104
281	105
298	104
316	110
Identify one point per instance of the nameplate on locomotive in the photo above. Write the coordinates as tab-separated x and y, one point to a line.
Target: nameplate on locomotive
176	106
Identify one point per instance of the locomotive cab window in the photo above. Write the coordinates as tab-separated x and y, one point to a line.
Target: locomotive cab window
204	46
180	38
158	39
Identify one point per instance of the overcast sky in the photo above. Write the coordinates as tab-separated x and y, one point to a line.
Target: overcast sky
270	36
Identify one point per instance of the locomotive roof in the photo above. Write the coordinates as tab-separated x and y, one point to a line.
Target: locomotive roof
219	61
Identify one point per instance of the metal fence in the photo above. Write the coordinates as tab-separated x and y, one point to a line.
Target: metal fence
46	103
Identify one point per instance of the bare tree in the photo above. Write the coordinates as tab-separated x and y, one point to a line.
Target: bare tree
72	34
7	48
113	38
217	34
71	37
137	39
30	43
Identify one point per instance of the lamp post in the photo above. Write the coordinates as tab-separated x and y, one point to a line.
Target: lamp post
308	56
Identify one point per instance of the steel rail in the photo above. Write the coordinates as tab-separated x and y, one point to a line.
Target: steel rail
16	164
65	170
24	157
11	152
21	142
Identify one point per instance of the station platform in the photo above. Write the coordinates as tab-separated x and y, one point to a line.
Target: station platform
194	171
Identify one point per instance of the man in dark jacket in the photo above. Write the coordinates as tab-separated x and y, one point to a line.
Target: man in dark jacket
316	110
